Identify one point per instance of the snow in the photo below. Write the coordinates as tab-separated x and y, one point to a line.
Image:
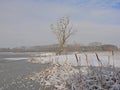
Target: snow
66	77
14	59
105	57
63	76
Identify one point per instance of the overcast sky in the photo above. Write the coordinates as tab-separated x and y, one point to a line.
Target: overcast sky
27	22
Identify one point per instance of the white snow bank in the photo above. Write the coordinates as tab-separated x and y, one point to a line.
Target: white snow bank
63	76
83	58
66	77
15	59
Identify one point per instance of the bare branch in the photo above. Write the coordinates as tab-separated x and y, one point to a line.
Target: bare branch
62	31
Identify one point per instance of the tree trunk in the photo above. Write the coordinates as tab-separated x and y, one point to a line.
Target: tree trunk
60	50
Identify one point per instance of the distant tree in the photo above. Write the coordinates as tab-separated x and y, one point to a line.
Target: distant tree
109	47
63	32
95	44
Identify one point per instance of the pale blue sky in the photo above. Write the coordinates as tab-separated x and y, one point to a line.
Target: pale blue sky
27	22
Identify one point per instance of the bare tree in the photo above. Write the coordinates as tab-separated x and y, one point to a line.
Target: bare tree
63	31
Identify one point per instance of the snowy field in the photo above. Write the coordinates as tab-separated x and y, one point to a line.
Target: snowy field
87	58
60	72
62	75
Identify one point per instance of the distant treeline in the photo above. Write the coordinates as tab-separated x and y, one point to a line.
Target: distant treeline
68	48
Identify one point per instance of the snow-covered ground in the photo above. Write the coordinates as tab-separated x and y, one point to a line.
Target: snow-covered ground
83	58
63	76
14	59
